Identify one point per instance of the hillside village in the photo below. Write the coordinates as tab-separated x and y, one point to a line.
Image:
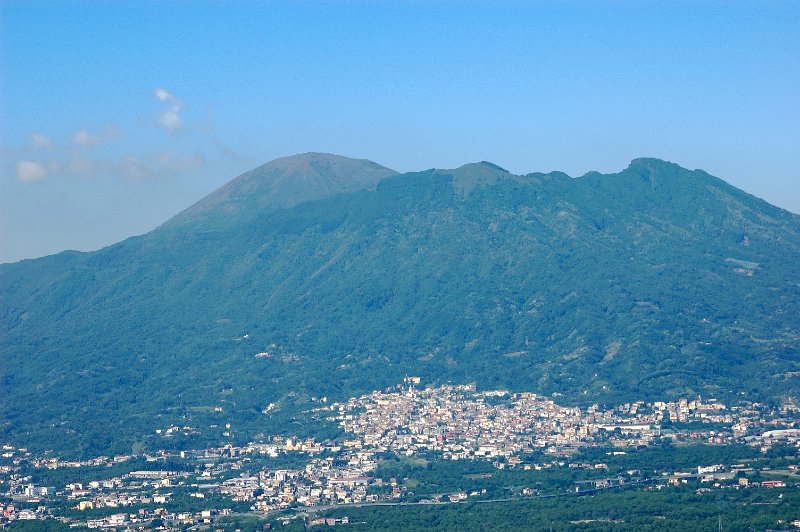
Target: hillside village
451	422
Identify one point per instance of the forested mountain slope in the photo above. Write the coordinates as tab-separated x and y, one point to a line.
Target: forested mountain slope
325	276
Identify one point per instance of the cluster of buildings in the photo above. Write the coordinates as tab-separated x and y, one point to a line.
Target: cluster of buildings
144	518
456	422
12	512
132	489
341	479
462	423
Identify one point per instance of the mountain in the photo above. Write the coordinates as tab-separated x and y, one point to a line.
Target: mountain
651	283
282	183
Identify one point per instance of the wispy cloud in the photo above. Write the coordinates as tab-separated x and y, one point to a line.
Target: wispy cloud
223	148
130	167
86	139
30	171
41	141
81	155
139	168
82	138
82	166
170	118
133	169
179	162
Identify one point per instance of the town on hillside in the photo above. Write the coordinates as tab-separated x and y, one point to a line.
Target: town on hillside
406	424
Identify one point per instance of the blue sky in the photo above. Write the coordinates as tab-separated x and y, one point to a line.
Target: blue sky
116	115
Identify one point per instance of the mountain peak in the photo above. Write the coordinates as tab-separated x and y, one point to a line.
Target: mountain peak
283	183
310	160
470	175
648	166
650	161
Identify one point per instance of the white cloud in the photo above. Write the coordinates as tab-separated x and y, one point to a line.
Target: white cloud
30	171
132	167
170	118
163	95
86	139
79	156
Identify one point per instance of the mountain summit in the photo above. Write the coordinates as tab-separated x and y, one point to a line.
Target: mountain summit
283	183
317	275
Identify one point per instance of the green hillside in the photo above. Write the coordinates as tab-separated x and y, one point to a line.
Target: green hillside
649	283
